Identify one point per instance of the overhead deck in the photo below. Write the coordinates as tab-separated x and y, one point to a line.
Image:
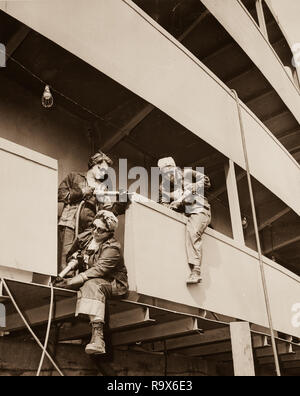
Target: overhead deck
173	80
258	48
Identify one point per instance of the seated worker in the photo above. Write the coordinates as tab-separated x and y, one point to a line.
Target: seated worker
183	191
77	188
103	275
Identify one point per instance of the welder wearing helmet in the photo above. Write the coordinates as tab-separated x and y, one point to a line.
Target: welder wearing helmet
74	189
105	275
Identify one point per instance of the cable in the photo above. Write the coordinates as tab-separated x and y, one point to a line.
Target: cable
58	92
77	219
30	329
260	255
48	331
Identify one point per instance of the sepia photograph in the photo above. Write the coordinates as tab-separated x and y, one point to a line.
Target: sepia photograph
150	191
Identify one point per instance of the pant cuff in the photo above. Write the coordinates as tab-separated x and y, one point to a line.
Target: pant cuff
87	306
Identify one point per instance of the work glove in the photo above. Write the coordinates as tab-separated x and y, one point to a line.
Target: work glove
72	283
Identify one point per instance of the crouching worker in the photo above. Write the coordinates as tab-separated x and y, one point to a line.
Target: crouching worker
184	191
103	275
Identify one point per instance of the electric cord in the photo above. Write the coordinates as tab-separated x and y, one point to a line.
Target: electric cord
260	255
30	329
48	331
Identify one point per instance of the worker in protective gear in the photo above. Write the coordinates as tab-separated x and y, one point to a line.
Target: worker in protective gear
183	191
103	275
81	192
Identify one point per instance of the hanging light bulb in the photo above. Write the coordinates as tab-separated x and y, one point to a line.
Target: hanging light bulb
47	98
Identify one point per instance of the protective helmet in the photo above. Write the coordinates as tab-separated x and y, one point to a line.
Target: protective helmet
98	158
109	219
166	162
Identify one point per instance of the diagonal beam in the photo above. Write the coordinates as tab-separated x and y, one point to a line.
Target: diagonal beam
193	26
269	221
213	196
16	40
126	129
140	116
281	245
288	134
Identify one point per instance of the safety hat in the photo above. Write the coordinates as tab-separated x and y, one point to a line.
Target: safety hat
98	158
166	162
108	218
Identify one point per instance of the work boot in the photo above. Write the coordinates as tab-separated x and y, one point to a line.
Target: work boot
97	344
195	277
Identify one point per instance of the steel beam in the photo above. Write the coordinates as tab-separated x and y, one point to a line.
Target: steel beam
208	337
16	40
134	317
283	349
160	331
39	315
284	359
208	350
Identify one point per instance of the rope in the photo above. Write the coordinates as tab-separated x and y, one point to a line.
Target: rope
47	332
260	255
30	329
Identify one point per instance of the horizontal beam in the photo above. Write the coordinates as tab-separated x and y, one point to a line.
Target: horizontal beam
256	98
282	348
219	51
291	365
66	309
160	331
208	350
288	134
207	337
220	347
133	317
276	116
37	316
285	358
243	74
136	317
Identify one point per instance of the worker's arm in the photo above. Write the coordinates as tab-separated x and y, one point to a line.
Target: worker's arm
106	263
69	191
196	177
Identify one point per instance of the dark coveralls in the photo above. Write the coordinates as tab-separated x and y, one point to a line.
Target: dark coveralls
106	276
70	194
